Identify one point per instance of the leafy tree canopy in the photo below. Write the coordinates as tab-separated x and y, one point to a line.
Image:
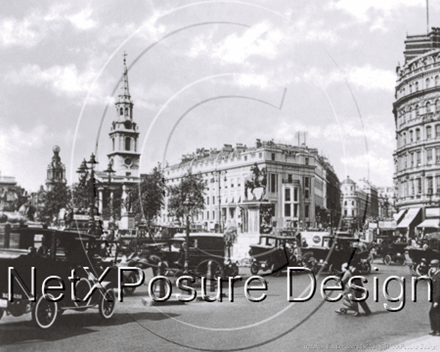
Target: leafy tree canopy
191	188
54	200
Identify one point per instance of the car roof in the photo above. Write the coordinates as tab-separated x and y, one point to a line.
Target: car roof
41	231
199	234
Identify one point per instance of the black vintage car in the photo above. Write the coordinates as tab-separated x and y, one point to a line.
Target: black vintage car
334	251
392	250
203	248
273	253
422	256
53	254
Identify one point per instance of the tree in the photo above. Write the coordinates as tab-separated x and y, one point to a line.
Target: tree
191	188
82	193
148	198
54	200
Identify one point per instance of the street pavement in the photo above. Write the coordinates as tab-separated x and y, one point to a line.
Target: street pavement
274	324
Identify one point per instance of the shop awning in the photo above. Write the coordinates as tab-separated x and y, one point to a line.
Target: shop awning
431	223
409	218
399	215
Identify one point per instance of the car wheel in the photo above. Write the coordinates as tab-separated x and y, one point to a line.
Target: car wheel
366	268
107	304
387	259
412	269
421	270
130	279
45	312
255	268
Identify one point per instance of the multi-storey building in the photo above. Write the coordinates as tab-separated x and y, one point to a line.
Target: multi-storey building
295	180
417	120
359	202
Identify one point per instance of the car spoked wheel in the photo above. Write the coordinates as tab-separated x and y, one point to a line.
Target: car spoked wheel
387	259
107	303
421	270
130	279
45	312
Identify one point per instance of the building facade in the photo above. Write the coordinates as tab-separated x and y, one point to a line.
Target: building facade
242	180
359	202
417	122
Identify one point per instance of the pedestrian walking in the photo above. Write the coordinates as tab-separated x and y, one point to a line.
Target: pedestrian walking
358	293
434	312
347	301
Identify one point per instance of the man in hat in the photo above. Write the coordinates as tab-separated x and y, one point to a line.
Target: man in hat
434	312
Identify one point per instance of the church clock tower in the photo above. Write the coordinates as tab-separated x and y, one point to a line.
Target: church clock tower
124	134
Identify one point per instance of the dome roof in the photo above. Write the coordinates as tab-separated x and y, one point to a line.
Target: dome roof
348	181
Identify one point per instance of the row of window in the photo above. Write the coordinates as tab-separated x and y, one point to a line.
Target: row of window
416	136
415	158
413	187
410	113
414	87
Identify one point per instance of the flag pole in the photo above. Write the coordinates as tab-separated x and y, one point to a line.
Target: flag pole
427	16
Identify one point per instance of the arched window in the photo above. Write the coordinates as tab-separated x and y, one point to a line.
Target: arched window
428	132
411	136
410	88
428	107
126	111
127	143
417	110
417	86
404	138
427	83
113	142
122	111
437	131
436	80
417	134
437	106
408	113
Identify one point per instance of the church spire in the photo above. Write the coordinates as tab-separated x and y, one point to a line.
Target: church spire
125	95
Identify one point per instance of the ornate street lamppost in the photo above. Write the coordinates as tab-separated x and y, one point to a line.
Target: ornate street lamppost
188	204
85	171
109	172
217	178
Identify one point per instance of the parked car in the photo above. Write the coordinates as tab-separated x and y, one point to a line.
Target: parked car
203	248
53	253
422	256
273	253
392	251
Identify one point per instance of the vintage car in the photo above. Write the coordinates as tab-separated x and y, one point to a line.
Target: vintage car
273	253
392	250
53	253
422	256
333	252
203	248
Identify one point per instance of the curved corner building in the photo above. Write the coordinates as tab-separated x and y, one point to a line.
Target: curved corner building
417	119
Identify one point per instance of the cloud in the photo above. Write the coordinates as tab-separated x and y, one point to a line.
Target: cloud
378	13
65	80
33	28
364	77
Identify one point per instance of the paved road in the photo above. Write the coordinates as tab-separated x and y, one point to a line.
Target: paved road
272	325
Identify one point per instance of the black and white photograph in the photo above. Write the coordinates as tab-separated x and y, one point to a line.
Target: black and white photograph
220	175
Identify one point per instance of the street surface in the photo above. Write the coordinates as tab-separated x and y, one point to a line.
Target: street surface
272	325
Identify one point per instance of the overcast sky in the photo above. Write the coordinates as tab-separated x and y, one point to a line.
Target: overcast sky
219	67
